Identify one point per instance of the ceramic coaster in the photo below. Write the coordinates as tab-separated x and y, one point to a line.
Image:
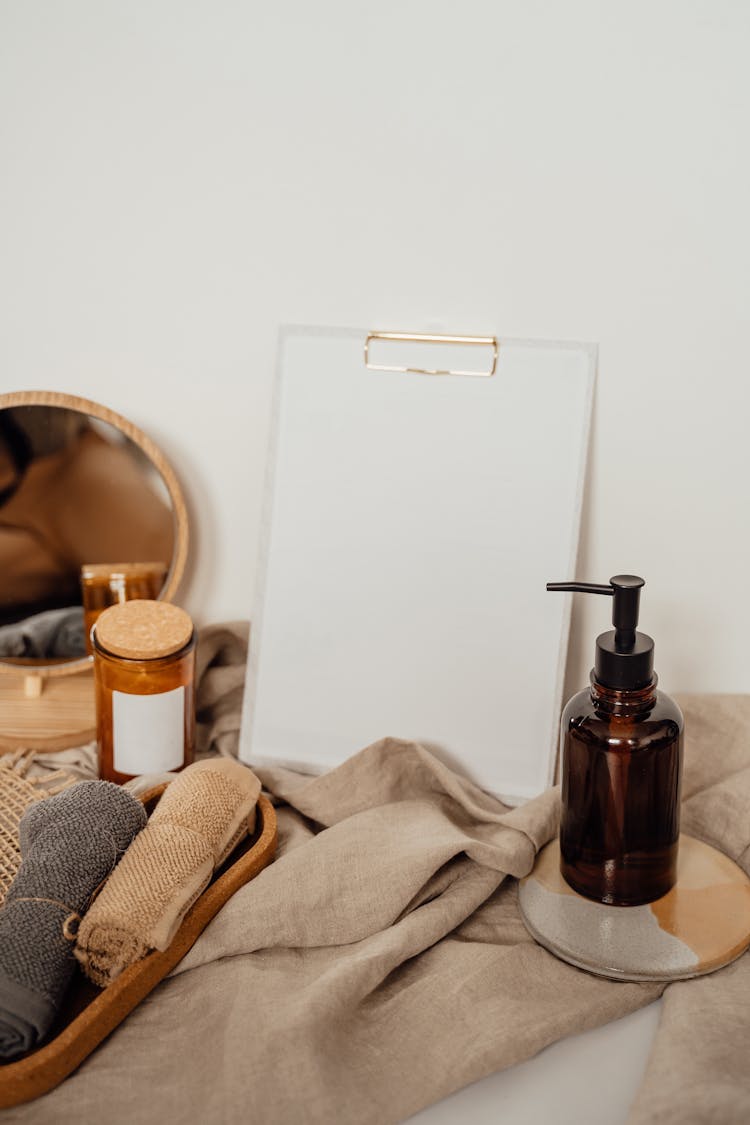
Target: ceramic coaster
702	924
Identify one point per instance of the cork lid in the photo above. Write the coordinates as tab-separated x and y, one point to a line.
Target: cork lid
143	630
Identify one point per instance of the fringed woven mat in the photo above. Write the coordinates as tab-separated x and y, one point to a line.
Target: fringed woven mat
17	792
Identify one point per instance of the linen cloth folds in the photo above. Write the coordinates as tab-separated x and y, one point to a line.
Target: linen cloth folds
381	962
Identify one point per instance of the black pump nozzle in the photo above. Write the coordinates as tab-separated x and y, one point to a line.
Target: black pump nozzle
625	642
626	589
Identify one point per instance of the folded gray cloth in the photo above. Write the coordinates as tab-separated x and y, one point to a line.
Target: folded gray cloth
53	633
69	845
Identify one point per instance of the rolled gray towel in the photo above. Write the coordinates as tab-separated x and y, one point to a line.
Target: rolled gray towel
69	845
55	632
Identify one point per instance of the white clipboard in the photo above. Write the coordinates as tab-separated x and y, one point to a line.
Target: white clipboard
411	521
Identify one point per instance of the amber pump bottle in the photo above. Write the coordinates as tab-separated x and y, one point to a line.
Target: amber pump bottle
621	744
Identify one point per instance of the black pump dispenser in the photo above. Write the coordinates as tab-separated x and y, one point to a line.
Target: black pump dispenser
624	657
621	756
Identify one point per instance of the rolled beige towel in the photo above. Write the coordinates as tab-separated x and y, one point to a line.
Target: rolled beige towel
201	817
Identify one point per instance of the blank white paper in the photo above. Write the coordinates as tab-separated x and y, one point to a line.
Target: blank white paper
411	524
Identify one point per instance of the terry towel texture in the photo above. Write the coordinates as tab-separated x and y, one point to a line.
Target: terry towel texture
200	818
69	844
381	963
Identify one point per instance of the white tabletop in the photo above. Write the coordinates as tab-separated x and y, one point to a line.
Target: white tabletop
587	1079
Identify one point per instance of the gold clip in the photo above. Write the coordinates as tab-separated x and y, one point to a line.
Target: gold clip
417	338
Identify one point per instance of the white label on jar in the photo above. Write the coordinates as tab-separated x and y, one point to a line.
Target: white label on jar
148	731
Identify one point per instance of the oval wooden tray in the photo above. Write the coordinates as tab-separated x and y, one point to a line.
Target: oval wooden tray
89	1014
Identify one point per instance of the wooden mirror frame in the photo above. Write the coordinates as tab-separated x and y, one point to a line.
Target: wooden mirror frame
179	512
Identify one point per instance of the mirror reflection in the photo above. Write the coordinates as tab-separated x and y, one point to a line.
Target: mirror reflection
82	510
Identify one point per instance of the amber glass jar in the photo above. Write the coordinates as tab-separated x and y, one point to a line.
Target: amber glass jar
621	768
144	669
106	584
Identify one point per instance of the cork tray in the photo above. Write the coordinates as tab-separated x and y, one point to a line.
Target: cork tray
700	925
90	1014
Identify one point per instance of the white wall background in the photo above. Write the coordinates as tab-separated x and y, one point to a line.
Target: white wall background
180	176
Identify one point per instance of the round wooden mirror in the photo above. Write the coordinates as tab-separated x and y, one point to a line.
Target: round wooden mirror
90	512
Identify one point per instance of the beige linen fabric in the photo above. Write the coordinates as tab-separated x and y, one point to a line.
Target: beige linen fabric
220	676
380	963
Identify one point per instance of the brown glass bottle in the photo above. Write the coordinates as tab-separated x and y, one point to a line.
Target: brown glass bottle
621	769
